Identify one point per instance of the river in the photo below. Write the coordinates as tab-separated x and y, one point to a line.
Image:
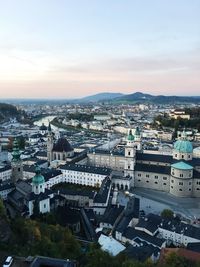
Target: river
46	121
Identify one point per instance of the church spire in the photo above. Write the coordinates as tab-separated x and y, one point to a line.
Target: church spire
16	152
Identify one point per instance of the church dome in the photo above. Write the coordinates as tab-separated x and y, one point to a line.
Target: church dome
43	127
183	146
130	136
62	145
38	178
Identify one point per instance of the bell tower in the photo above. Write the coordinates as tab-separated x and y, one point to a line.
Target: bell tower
49	144
130	157
16	163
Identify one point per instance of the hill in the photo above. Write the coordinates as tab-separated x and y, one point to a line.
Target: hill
100	97
8	111
159	99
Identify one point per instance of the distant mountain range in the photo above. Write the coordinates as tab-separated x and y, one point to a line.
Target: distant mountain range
138	97
114	98
100	97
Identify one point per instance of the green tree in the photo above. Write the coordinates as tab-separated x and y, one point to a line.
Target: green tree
167	213
3	213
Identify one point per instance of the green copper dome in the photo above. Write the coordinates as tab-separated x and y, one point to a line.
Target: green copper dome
183	146
130	136
182	166
16	153
38	178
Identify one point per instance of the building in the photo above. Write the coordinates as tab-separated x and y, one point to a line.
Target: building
179	114
16	163
60	150
177	173
84	174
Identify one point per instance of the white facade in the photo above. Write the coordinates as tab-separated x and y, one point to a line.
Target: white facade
83	178
5	174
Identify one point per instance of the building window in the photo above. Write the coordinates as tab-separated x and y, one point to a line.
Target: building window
180	183
147	175
164	178
181	175
172	181
164	183
139	174
129	153
172	187
156	182
44	206
182	156
147	181
139	180
189	189
180	189
156	177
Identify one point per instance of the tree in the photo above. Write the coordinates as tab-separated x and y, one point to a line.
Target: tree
2	210
167	213
174	260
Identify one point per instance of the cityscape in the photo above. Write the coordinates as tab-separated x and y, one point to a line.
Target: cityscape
94	171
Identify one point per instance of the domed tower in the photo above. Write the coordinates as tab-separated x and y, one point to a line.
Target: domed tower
49	144
183	149
138	139
181	179
38	182
16	163
129	156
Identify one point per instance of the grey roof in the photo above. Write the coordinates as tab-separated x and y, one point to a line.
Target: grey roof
5	168
102	195
51	262
153	168
154	157
150	222
132	234
6	186
86	168
62	145
74	192
41	154
181	228
111	214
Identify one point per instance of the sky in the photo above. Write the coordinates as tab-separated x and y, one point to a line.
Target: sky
74	48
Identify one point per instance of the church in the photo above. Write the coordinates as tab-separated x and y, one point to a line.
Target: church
177	174
59	150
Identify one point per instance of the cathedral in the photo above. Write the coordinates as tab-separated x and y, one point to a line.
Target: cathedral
177	174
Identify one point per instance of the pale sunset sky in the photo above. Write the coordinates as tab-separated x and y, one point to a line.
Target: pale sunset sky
74	48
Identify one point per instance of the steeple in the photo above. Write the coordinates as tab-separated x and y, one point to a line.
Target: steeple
49	144
49	127
130	136
38	181
16	152
16	163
